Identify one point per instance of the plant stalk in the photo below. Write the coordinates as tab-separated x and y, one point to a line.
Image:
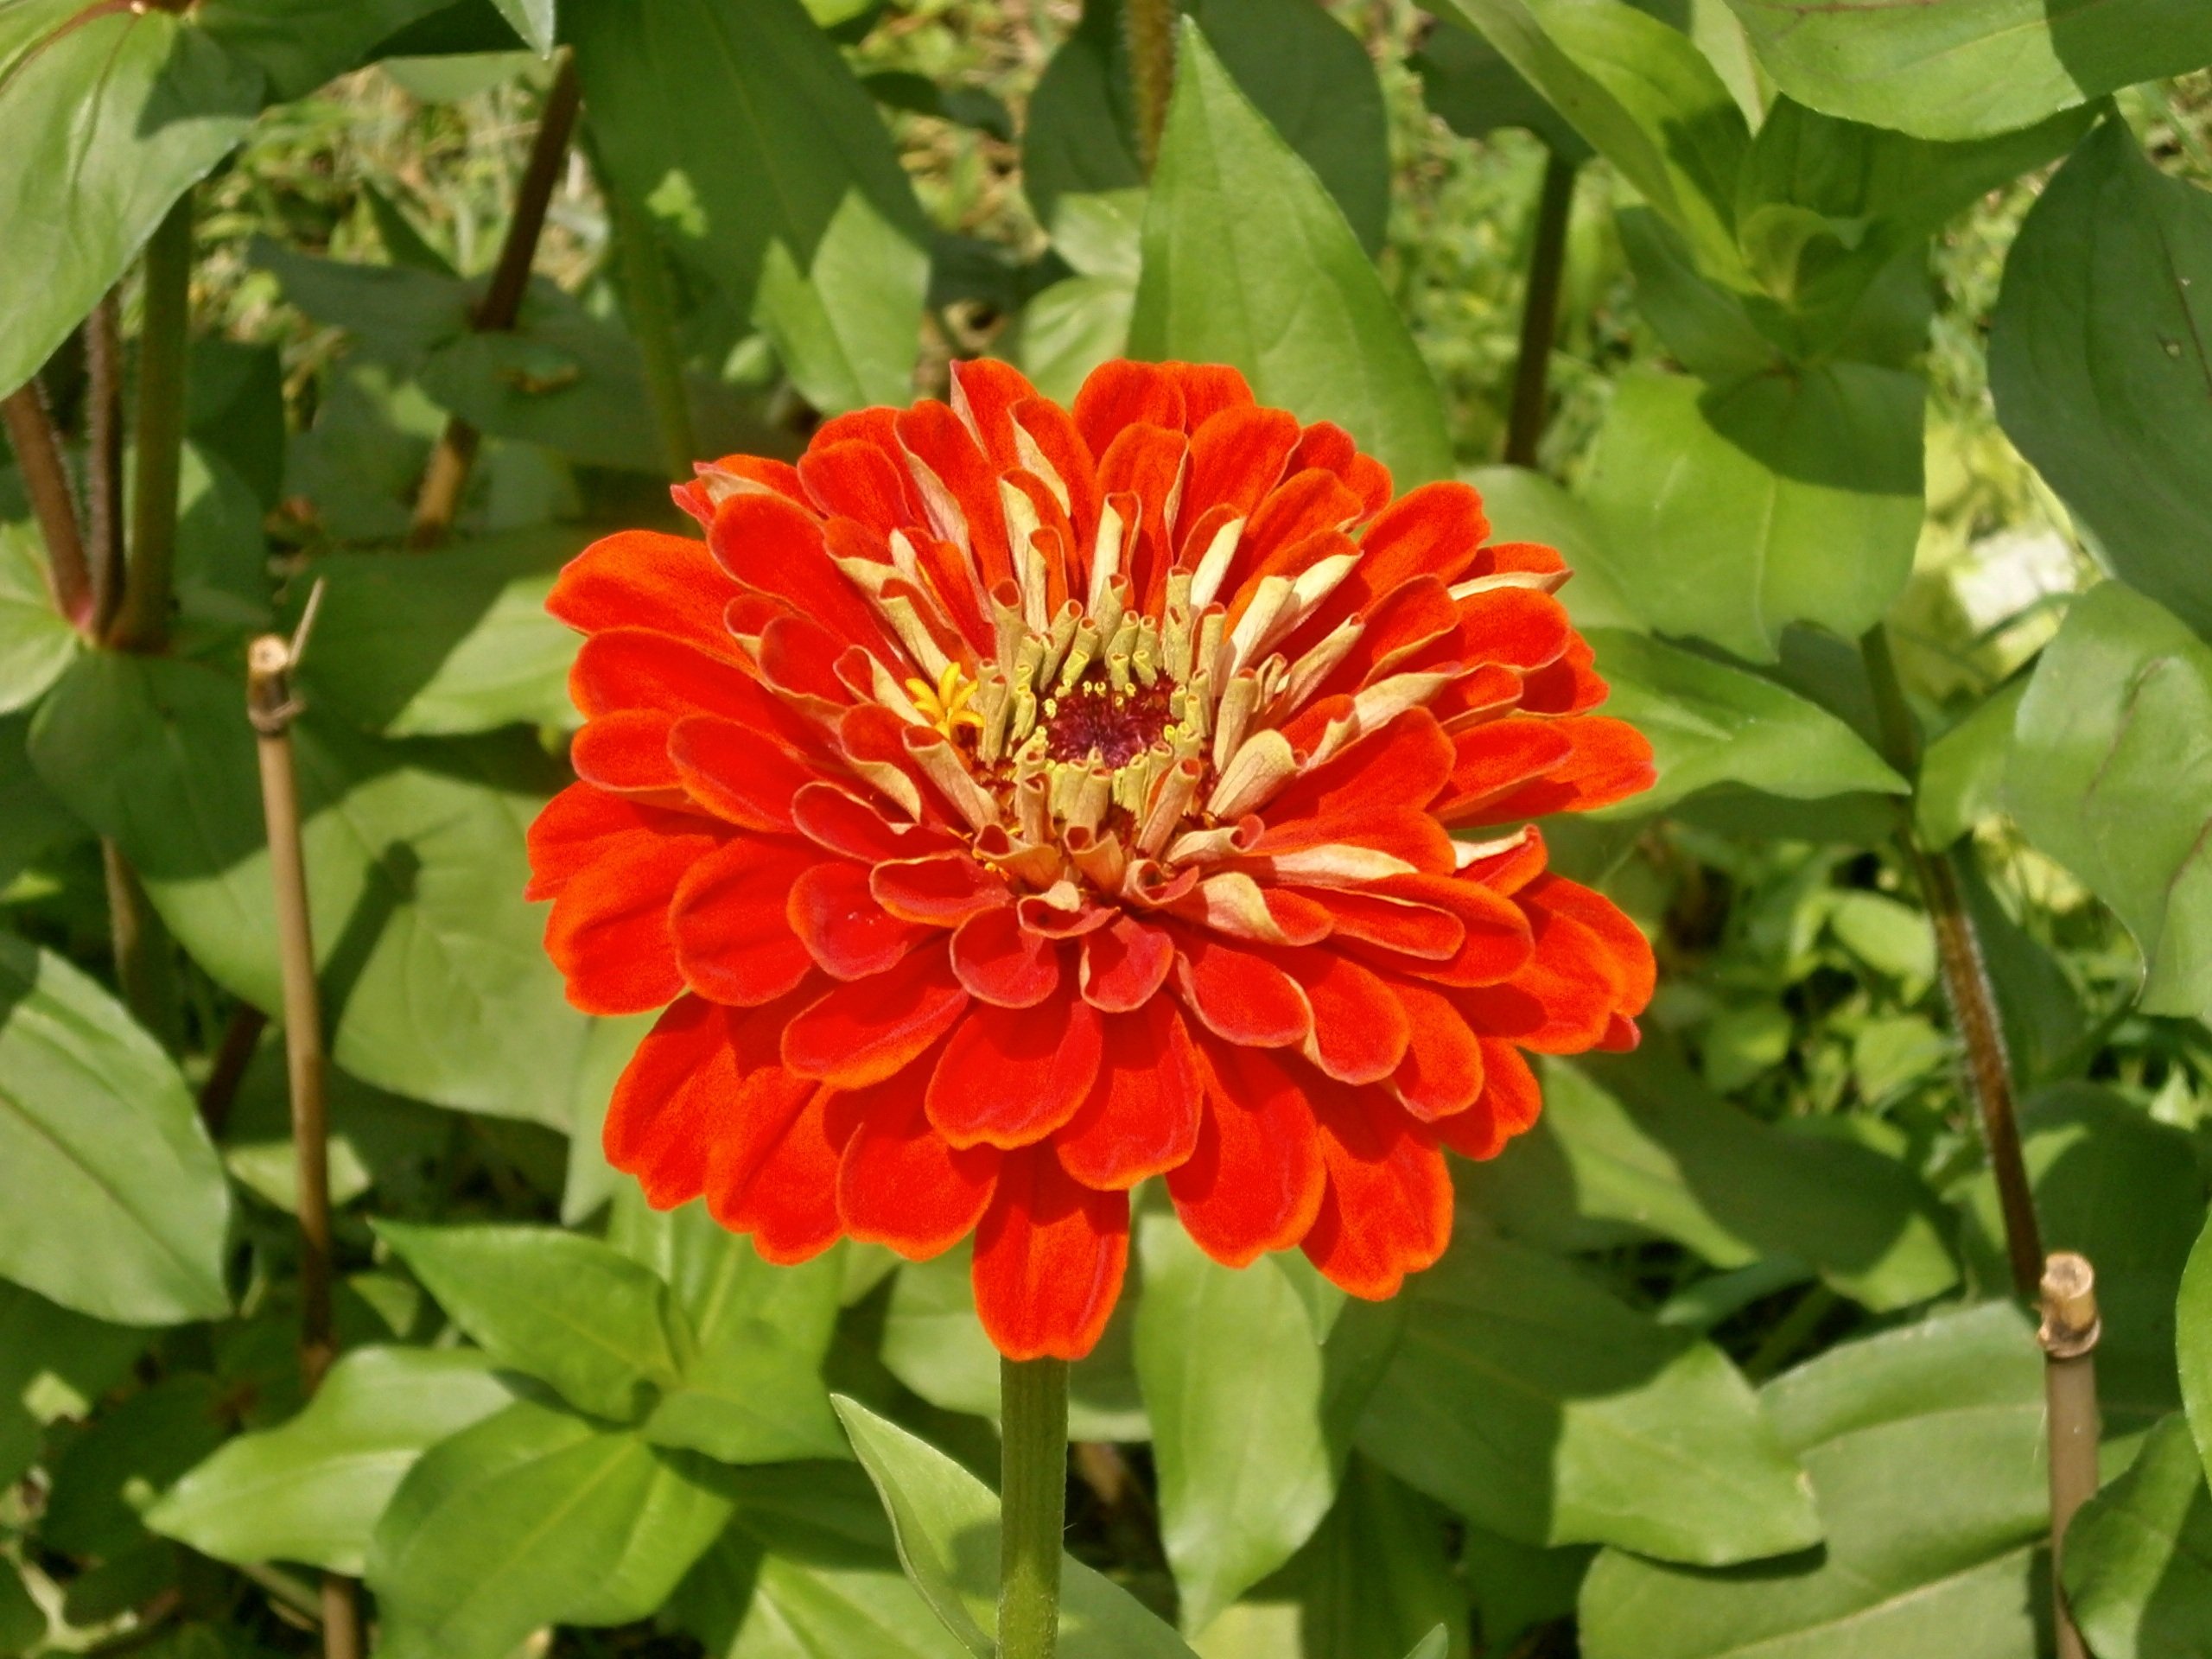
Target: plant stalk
652	324
140	945
1540	311
1032	1504
233	1053
103	458
142	621
2069	1332
1966	982
270	708
446	476
1152	71
46	481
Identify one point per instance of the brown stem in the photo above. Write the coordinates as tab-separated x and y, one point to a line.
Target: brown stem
140	945
232	1055
46	481
271	707
1540	311
1152	71
104	457
447	474
2070	1333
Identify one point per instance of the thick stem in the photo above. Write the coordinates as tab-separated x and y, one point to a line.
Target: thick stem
271	707
1032	1504
1966	981
46	481
652	325
2069	1332
140	945
1152	71
233	1053
447	474
1540	311
142	622
103	458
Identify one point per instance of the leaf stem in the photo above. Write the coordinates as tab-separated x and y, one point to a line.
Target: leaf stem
103	458
446	474
652	324
142	620
1032	1504
1965	979
270	708
1540	311
46	481
1152	71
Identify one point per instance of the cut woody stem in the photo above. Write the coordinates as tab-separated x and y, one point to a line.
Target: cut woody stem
1032	1503
2063	1284
446	476
270	708
1540	311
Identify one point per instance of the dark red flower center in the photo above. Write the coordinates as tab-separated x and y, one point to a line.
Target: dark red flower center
1118	724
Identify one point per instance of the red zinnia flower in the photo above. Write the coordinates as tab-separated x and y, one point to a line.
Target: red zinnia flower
1009	803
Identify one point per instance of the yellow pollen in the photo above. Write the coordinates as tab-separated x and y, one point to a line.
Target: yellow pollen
945	705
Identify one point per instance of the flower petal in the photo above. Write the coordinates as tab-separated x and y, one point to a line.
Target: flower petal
1050	1254
1143	1117
1123	963
1001	961
1387	1210
900	1184
864	1030
1253	1183
838	918
1240	995
731	924
1011	1075
772	1170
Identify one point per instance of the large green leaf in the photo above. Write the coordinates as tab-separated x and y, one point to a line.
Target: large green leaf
1925	1446
2113	1183
433	971
568	1310
752	1389
115	1202
36	642
2099	360
534	1516
53	1363
1242	1452
1538	1406
1636	1142
1730	513
300	44
947	1524
2193	1343
1955	69
1302	69
108	1474
1711	723
2138	1556
1475	91
760	154
2110	774
311	1489
1962	773
111	113
1285	293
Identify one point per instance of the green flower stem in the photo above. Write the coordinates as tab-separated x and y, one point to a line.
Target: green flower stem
1032	1504
1152	71
142	621
1540	311
652	324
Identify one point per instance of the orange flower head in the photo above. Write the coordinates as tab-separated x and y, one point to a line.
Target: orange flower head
1009	803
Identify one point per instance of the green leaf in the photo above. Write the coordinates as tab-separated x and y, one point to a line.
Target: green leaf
2193	1342
2098	359
1285	294
300	44
22	1621
372	1136
1243	1458
1731	512
433	970
751	1391
106	1476
532	1517
34	823
595	1326
933	1342
1475	92
101	1142
1635	1145
533	20
2111	775
1710	723
769	170
1926	1445
53	1363
947	1525
1523	506
311	1489
1957	69
2138	1556
1435	1645
1536	1405
2125	1190
1962	773
469	652
36	642
1071	327
111	114
1641	95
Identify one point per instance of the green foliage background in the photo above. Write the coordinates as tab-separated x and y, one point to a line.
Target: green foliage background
1879	431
